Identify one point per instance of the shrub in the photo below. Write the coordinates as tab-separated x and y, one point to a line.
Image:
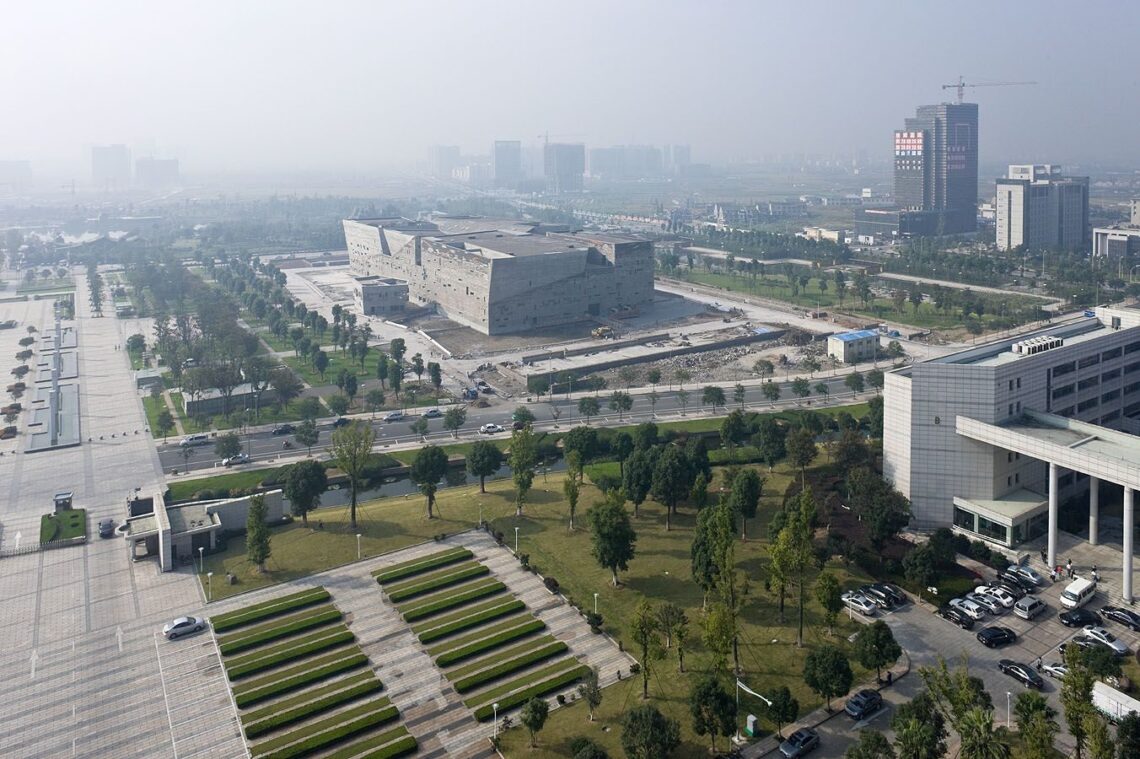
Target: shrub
271	608
458	625
463	652
443	579
325	732
509	666
279	715
551	584
961	544
231	644
284	681
483	713
243	666
499	537
979	551
561	699
405	745
634	668
421	565
524	559
593	619
453	598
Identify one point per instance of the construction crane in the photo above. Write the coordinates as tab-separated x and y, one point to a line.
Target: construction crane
961	85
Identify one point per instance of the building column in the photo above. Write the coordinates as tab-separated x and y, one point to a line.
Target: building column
1054	488
1094	508
1126	591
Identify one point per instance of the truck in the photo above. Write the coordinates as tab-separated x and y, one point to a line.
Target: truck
1112	703
602	333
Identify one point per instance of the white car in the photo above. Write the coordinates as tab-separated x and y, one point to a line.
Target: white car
1001	595
859	602
1055	669
1027	574
1101	635
241	458
432	413
183	626
989	604
969	608
490	428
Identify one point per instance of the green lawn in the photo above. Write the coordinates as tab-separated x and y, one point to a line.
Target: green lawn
136	360
153	407
63	526
241	479
337	361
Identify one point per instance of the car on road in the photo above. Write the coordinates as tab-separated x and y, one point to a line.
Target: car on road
863	704
341	422
969	608
995	637
192	441
800	743
1104	637
490	428
1126	617
283	429
1028	574
1079	617
432	413
1021	672
856	601
986	602
241	458
183	626
1055	669
106	528
951	614
517	425
998	593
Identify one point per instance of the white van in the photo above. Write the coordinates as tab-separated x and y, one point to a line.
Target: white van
1078	593
194	440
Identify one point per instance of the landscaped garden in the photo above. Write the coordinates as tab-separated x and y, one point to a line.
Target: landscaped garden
63	525
301	683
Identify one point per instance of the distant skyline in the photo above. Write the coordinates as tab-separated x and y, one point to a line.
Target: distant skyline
356	86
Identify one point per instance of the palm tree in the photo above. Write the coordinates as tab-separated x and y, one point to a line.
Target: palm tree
976	729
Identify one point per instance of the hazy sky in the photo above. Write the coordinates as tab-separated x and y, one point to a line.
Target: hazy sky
237	85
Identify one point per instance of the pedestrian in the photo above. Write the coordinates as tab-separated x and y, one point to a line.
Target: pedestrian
1044	557
1038	664
1069	565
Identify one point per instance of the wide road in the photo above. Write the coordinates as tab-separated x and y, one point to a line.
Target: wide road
261	444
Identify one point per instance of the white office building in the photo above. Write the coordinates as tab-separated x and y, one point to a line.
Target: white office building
988	440
1037	207
853	347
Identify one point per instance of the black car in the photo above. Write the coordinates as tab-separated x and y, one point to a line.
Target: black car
1126	617
894	591
877	596
283	429
1022	672
994	636
863	704
1013	589
106	528
341	421
1013	579
1082	642
800	743
1079	617
950	614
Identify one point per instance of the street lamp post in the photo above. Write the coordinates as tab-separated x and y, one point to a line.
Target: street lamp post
1007	697
209	586
495	709
516	540
595	603
358	546
201	559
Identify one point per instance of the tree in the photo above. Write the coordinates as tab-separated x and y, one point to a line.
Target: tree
374	399
484	460
351	448
792	551
871	744
829	595
637	477
395	377
321	363
304	483
570	489
919	566
713	709
828	673
648	734
920	728
533	716
418	366
653	377
307	434
822	388
338	404
420	428
397	348
738	395
670	616
744	497
1101	745
582	440
854	382
621	403
428	468
435	375
588	407
784	708
1128	736
351	386
672	480
590	691
584	748
883	509
770	441
613	541
683	398
875	646
875	379
522	458
454	418
851	450
712	395
382	363
771	391
733	430
227	445
309	408
644	631
801	387
257	548
800	445
164	422
523	415
764	368
979	741
1076	697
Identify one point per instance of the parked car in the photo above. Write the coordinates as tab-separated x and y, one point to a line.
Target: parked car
894	591
1080	642
106	528
241	458
1022	672
1029	607
1009	587
878	597
1055	669
1027	574
341	422
950	614
986	602
432	413
969	608
856	601
998	593
800	743
283	429
490	428
1009	577
1079	617
1103	636
183	626
863	704
1126	617
994	637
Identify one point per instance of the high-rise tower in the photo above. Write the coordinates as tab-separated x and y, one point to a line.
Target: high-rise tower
936	170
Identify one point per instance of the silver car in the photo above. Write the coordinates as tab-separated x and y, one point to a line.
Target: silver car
1104	637
969	608
183	626
989	604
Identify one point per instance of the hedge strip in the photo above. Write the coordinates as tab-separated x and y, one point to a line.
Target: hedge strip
437	582
455	597
311	708
509	652
232	644
306	740
420	565
303	698
478	635
493	641
271	608
496	693
535	691
462	613
512	665
243	666
458	625
383	744
311	671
